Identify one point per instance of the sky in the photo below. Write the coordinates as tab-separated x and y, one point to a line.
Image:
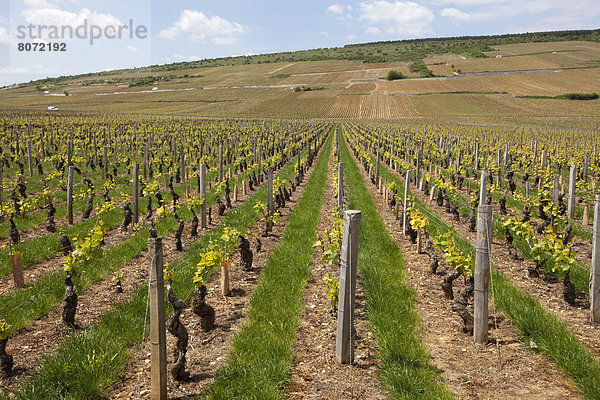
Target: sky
99	35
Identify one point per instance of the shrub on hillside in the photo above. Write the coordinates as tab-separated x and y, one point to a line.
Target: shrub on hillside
394	75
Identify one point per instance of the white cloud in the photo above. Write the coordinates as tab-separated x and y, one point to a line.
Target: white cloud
9	69
398	17
350	37
39	4
32	69
324	33
55	16
180	57
199	27
373	30
132	48
336	8
455	14
5	38
343	12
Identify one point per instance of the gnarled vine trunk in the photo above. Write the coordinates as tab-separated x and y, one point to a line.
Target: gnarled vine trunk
203	310
176	328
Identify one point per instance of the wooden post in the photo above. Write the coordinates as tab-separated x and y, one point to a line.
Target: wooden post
571	205
586	217
482	190
70	195
543	162
432	193
340	183
270	203
404	213
585	165
220	162
158	337
482	273
134	192
344	341
183	171
70	153
203	195
595	269
377	166
17	268
225	278
555	187
1	183
418	172
29	158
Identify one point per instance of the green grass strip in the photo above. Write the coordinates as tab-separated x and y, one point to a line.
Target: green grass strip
406	370
260	362
551	334
89	361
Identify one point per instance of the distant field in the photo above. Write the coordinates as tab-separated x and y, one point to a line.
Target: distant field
351	89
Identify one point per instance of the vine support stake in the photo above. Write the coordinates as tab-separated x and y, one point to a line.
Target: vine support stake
70	195
482	274
418	172
340	183
17	267
406	191
270	203
134	192
158	335
572	178
29	158
482	189
203	195
555	188
344	340
595	271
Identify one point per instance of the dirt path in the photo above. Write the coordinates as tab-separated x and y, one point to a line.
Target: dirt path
315	374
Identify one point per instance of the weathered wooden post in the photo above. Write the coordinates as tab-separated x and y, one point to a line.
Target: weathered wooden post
418	172
476	155
586	161
404	213
270	203
203	195
17	269
482	190
1	183
595	269
482	273
220	162
135	193
158	335
29	158
571	205
70	195
70	153
555	190
344	341
377	164
340	183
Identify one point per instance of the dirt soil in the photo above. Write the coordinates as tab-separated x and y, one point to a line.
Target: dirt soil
315	374
504	368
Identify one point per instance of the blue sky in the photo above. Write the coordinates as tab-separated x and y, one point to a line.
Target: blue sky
182	30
